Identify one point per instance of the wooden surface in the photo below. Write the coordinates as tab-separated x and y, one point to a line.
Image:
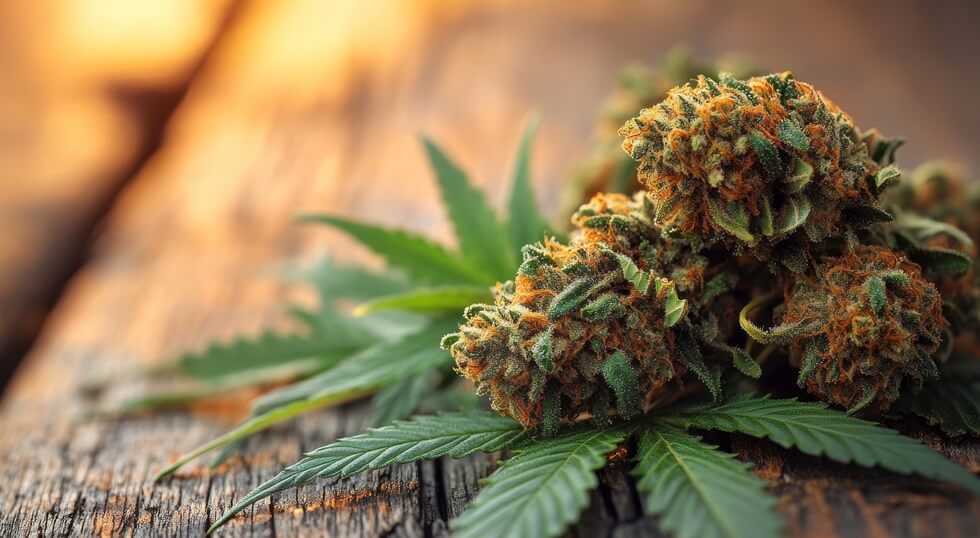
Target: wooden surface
315	106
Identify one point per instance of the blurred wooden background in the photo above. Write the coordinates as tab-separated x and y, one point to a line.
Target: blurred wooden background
152	154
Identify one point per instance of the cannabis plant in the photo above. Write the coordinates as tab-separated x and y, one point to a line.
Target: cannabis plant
384	351
763	237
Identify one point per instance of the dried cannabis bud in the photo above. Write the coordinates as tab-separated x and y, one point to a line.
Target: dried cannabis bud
607	169
767	164
868	322
584	328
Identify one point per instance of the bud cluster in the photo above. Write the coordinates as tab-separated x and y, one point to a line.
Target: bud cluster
871	323
584	328
752	186
606	168
766	164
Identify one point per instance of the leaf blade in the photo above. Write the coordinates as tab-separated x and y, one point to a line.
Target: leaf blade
699	491
525	222
423	260
816	430
359	375
482	240
456	435
541	490
433	299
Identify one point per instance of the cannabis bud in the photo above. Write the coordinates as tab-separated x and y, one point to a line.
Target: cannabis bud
756	163
606	168
584	328
868	322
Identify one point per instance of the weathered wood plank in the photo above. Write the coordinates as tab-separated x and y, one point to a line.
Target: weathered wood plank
312	106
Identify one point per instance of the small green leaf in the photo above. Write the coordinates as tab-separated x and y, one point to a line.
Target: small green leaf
482	239
811	358
802	173
942	260
791	134
543	350
690	356
745	363
777	335
875	288
437	299
792	215
888	175
765	218
816	430
526	224
866	215
268	350
731	218
575	294
542	490
767	153
674	306
923	229
606	306
621	377
699	491
719	284
423	260
632	273
456	435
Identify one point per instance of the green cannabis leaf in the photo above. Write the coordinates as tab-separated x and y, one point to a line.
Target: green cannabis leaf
526	224
699	491
816	430
952	402
359	375
423	260
438	299
541	490
400	399
456	435
330	338
483	241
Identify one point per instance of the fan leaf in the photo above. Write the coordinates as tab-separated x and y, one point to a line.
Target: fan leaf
952	403
526	224
423	260
482	240
456	435
359	375
400	400
437	299
699	491
816	430
541	490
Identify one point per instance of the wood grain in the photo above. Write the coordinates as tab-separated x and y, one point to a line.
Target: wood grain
315	106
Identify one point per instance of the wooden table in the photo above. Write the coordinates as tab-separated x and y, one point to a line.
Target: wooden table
315	106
